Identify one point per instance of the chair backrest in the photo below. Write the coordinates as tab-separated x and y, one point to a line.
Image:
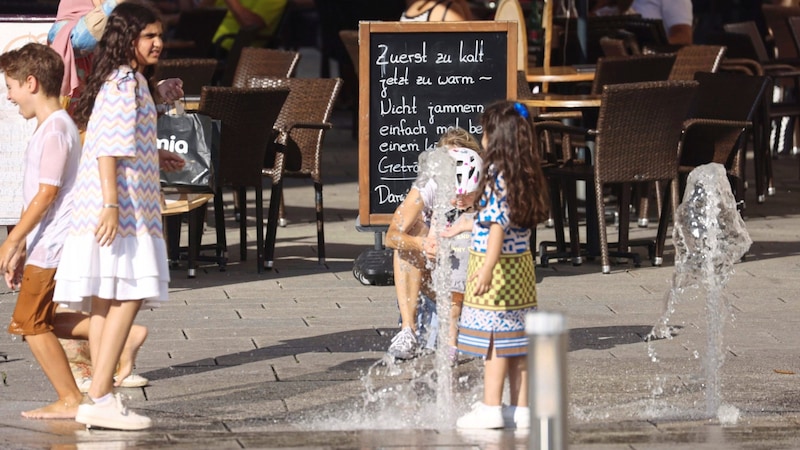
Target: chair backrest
631	69
639	129
524	90
264	62
691	59
794	27
750	30
244	138
199	26
194	72
714	100
310	102
776	17
511	10
243	39
350	40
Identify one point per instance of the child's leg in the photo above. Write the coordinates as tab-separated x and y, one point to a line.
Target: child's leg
518	380
455	313
75	325
495	370
109	328
407	281
48	352
32	318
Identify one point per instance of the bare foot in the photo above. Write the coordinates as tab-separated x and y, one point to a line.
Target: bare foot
56	410
128	357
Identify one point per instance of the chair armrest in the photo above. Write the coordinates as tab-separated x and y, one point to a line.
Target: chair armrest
309	125
750	64
700	122
563	129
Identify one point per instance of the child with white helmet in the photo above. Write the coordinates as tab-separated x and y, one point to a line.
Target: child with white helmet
469	166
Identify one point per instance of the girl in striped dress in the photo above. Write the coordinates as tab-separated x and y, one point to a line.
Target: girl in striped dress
501	284
115	258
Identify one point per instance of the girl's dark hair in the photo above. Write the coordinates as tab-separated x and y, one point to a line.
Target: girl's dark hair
511	149
115	49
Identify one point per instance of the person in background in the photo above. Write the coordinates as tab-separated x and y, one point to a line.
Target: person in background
676	16
501	282
408	235
115	257
436	11
265	15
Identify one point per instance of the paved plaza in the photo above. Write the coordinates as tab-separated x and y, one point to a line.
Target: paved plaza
292	358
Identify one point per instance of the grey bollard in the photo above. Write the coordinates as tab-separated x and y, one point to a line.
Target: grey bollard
547	380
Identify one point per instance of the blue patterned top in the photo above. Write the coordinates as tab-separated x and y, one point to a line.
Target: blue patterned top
494	209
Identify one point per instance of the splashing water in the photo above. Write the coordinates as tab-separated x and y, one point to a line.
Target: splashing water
709	237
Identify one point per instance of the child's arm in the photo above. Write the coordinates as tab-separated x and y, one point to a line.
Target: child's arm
406	231
109	216
494	246
12	252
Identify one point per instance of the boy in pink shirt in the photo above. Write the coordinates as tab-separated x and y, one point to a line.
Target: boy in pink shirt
30	254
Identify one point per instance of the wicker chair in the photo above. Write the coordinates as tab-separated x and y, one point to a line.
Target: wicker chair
243	143
636	141
777	17
195	72
296	152
350	40
718	121
691	59
264	62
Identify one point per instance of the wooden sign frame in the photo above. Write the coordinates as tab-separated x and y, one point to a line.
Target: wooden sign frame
367	217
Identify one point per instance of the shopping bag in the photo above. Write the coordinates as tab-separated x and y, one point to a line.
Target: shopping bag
195	138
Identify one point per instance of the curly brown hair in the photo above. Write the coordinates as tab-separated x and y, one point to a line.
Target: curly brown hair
510	148
115	49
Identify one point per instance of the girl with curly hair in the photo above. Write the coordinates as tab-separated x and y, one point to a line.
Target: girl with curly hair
501	283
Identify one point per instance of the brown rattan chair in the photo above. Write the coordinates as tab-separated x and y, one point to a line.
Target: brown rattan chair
636	141
243	143
350	40
194	72
296	152
691	59
721	114
264	62
776	17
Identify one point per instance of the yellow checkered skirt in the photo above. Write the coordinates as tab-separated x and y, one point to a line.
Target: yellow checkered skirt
513	283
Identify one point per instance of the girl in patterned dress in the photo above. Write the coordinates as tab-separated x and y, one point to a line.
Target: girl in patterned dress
115	257
501	284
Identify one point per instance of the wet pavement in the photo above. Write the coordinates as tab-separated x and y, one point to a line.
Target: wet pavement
291	358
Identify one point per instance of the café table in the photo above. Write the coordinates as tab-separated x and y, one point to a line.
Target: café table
559	74
562	101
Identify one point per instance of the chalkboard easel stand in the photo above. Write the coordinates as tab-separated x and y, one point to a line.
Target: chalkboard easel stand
374	265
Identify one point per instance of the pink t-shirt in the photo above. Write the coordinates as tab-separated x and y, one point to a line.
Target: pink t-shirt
52	158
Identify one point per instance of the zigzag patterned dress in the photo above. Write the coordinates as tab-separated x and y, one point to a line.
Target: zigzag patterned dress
134	266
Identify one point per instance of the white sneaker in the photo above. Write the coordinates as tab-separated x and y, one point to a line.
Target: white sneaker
482	417
113	415
133	381
404	344
517	417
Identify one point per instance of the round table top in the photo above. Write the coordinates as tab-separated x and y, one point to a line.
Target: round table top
562	101
558	74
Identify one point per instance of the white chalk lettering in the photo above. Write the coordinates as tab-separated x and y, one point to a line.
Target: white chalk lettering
385	58
475	57
385	195
388	107
386	165
443	58
455	79
402	129
396	80
398	147
452	109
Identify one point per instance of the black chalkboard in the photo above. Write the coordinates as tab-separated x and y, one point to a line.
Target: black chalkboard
417	80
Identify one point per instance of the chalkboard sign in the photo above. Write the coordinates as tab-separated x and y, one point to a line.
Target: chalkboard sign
416	81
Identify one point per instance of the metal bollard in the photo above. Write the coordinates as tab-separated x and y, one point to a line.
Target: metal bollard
547	380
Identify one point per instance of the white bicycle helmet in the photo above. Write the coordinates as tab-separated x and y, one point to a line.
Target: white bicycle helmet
468	169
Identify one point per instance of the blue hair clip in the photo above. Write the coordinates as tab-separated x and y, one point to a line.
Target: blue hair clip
522	110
